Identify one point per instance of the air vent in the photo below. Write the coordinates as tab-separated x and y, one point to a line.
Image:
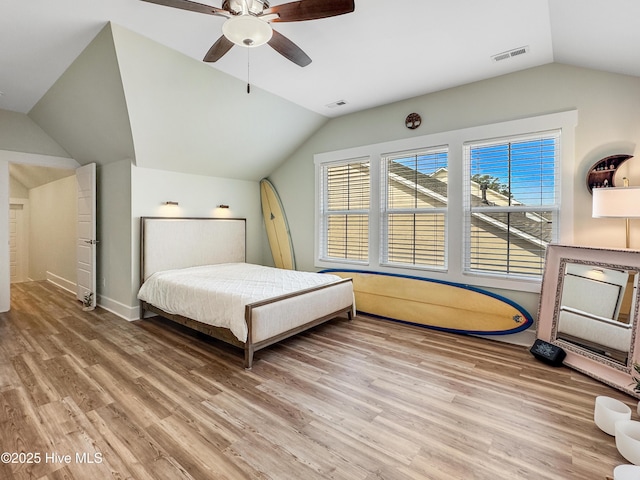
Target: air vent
510	54
339	103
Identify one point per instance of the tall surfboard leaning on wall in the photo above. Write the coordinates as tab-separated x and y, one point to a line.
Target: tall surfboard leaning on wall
275	221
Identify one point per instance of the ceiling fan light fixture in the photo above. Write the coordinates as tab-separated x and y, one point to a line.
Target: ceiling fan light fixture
243	6
247	31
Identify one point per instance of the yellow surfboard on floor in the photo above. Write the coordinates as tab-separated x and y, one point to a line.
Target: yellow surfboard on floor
435	304
277	228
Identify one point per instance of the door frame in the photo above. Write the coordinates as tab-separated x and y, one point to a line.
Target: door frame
23	250
7	157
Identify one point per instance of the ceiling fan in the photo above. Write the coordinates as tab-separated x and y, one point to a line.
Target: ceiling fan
248	23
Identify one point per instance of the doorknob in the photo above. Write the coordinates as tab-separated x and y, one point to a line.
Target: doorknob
91	242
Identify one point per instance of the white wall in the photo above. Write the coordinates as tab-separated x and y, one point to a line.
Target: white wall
52	232
609	123
85	110
113	231
127	192
19	133
188	117
198	196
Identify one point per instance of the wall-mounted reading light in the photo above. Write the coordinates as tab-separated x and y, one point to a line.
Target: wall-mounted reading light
171	203
222	205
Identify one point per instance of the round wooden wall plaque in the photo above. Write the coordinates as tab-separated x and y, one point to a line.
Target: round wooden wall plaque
413	121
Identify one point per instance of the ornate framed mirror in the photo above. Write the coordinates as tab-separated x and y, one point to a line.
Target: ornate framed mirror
589	308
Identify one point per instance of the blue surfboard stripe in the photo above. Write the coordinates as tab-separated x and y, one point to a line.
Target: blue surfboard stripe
523	326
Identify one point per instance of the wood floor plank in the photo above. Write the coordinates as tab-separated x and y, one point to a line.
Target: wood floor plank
195	452
117	453
130	399
137	443
70	379
34	379
360	400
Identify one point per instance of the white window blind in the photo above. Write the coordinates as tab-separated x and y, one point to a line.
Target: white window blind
511	206
345	192
414	208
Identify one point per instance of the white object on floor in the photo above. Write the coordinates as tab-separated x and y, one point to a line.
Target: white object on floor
626	472
608	411
628	440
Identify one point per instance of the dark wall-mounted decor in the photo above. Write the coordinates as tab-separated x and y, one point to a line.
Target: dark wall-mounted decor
602	173
413	121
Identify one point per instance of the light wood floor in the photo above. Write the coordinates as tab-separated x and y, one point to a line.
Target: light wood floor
365	399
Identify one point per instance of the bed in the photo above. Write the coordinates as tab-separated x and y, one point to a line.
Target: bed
193	272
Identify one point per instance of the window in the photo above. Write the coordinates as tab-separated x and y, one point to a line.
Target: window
414	208
476	205
345	201
511	206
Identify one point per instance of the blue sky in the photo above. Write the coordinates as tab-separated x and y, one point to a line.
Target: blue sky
531	177
531	172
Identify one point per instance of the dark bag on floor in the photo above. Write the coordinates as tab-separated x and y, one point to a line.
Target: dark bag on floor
548	353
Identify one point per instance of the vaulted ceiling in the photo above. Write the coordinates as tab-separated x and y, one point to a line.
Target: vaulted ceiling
126	97
383	52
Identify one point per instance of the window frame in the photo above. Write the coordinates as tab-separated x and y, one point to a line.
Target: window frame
471	210
385	210
455	139
326	213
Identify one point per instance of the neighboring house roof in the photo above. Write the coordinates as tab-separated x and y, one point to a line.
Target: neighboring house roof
526	226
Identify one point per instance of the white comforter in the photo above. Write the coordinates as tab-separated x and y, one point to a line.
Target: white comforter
217	294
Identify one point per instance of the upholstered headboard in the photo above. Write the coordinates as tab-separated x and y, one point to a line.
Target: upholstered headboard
170	243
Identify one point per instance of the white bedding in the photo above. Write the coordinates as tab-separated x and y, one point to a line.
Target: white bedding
217	294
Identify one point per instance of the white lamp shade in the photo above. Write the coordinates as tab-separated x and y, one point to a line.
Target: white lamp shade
247	31
621	202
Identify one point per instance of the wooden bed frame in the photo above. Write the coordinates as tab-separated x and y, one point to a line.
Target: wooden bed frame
168	243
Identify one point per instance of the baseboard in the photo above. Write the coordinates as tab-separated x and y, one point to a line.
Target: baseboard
63	283
120	309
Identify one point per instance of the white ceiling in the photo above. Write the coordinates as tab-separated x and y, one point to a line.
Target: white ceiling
383	52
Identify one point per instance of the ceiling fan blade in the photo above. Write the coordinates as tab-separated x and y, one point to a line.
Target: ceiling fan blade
288	49
191	6
310	10
218	49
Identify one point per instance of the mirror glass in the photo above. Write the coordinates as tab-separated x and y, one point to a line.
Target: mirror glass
594	311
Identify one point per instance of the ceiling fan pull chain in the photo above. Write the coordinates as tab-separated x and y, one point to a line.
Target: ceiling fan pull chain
248	78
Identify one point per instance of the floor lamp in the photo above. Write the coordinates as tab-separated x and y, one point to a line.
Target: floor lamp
617	202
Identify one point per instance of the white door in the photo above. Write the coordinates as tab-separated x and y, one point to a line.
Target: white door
86	181
17	243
